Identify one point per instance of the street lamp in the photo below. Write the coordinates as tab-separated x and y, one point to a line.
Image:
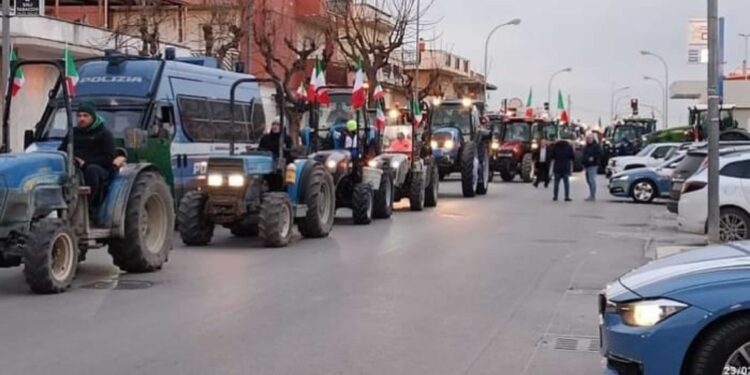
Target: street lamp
549	86
663	93
513	22
612	100
744	62
666	85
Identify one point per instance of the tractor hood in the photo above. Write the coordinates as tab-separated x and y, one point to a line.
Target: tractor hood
15	168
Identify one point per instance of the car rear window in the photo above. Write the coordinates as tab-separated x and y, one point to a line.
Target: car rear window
689	165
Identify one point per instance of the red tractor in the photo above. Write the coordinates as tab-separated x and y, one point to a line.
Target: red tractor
520	145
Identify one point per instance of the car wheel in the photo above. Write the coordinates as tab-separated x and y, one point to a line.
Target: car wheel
721	349
734	225
643	191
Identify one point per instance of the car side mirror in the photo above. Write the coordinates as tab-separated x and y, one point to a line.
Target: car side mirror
28	138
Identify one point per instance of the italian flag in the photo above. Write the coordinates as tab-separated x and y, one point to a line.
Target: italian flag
18	78
318	81
301	93
71	73
359	93
379	117
378	94
563	116
416	111
530	104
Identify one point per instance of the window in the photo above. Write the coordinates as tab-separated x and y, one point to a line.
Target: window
448	61
661	152
458	64
466	66
210	120
739	169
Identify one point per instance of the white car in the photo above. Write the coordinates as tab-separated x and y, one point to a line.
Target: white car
651	156
734	199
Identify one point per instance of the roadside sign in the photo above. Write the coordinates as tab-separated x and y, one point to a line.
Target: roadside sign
697	41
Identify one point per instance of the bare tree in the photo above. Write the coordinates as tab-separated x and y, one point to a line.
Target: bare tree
137	26
224	24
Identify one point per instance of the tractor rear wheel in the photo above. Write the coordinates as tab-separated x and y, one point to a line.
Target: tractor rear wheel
149	222
383	199
469	164
276	220
362	204
527	168
196	228
50	256
433	187
417	191
321	204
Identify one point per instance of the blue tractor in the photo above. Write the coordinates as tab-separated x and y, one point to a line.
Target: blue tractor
45	221
461	144
259	192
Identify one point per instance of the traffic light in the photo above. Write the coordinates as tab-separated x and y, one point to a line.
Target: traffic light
634	106
546	106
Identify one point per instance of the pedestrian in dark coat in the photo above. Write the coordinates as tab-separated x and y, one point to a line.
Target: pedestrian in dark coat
592	157
563	157
542	161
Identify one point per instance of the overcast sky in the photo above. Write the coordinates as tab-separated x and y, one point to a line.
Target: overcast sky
599	39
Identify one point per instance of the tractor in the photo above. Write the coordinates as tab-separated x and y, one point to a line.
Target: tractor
461	144
46	222
259	192
514	155
413	171
357	186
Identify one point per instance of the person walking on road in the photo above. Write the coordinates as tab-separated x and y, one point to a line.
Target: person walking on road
542	164
592	156
563	156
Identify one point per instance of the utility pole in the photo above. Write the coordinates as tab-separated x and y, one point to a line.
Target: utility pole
418	58
5	66
714	64
744	62
570	108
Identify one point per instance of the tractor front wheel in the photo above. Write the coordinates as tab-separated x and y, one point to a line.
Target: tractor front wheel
276	220
527	168
417	192
433	187
196	229
362	204
321	204
50	256
469	165
383	199
149	222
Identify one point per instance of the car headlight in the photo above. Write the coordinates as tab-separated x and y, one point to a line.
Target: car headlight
215	180
621	178
434	144
648	313
331	165
495	145
449	144
395	164
236	180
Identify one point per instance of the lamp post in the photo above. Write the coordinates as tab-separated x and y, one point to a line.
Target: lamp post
612	101
663	93
666	85
714	71
549	85
513	22
744	62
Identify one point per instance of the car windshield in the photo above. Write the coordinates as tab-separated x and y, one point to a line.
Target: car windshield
690	164
625	133
452	116
117	119
647	150
518	131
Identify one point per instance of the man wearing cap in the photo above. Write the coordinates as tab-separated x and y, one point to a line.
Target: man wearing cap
350	135
94	151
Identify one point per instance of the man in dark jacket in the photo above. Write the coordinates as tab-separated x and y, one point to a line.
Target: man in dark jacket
542	160
592	156
270	141
563	156
94	150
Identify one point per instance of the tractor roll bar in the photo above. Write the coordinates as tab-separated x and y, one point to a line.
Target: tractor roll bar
280	101
60	66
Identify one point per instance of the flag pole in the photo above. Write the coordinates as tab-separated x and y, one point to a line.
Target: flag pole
5	67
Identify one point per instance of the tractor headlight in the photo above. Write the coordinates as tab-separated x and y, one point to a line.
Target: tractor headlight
236	180
215	180
395	164
449	144
534	145
372	163
331	165
495	145
434	144
648	313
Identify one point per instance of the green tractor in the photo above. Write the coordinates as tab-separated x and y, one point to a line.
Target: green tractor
698	129
46	223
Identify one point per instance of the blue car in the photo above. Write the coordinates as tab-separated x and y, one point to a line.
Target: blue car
643	185
685	314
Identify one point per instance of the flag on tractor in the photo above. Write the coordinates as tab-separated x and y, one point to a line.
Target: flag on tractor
563	113
18	78
378	94
71	72
359	92
316	91
530	104
379	117
301	93
416	111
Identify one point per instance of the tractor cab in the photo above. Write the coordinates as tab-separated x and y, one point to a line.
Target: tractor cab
728	124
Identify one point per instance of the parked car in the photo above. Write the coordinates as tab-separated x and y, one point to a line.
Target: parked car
684	314
651	156
690	165
734	198
643	185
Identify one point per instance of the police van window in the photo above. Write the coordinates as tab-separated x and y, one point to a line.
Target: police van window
196	119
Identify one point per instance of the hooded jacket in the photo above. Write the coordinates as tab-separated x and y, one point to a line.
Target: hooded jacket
94	145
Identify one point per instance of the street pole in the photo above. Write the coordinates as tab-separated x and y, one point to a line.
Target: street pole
663	88
549	85
513	22
744	62
666	85
612	101
415	100
5	65
713	120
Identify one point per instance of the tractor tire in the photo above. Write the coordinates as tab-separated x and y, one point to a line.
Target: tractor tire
149	222
50	256
432	190
196	229
417	192
243	229
527	168
320	198
382	207
468	169
483	171
362	202
276	220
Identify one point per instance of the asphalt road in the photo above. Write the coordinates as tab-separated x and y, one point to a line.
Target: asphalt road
502	284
